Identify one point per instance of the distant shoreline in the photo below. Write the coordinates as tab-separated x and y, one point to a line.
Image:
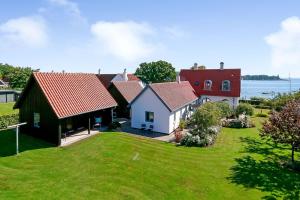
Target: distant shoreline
262	78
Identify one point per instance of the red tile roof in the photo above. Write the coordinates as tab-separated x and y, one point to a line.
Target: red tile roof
107	78
173	94
197	78
72	94
128	89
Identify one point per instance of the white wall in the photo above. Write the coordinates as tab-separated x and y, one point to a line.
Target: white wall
182	113
233	101
148	101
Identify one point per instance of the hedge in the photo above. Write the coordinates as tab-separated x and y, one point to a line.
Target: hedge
8	120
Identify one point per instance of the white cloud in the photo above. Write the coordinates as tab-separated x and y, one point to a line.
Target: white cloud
71	7
127	40
29	31
175	32
285	45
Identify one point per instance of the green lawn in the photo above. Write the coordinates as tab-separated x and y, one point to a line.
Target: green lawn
121	166
7	108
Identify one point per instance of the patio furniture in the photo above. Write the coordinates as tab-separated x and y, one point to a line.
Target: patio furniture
143	126
150	127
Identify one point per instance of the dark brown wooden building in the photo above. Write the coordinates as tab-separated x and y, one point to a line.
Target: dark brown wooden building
124	92
53	104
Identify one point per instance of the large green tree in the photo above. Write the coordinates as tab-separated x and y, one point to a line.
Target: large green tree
156	72
16	76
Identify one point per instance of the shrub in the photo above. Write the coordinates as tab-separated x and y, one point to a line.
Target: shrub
261	115
178	135
244	108
200	140
114	125
242	122
7	120
182	124
224	108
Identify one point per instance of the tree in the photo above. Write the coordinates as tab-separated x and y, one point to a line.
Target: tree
244	108
16	76
156	72
204	117
284	126
224	108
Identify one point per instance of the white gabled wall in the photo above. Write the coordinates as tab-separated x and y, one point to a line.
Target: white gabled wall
148	101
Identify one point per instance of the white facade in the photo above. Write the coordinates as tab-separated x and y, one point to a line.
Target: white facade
233	101
165	121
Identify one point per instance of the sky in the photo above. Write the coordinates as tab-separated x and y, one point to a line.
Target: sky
258	36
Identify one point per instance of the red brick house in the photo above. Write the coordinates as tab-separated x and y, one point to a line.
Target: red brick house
215	84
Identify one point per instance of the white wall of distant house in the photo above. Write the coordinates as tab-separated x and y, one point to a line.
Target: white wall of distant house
148	101
233	101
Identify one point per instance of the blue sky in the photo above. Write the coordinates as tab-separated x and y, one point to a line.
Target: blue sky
261	37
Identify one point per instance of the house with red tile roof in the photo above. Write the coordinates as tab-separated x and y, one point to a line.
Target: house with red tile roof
215	84
107	79
54	104
124	92
161	106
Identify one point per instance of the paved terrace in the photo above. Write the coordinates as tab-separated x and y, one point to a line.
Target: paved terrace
144	133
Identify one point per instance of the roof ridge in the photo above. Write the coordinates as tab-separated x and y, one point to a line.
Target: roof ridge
74	73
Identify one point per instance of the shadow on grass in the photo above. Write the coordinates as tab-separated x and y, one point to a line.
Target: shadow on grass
267	174
8	143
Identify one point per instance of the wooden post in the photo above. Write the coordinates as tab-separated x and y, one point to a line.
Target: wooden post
112	114
17	140
89	126
59	133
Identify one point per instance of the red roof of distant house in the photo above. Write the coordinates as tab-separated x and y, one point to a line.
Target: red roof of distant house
173	94
128	89
198	77
107	78
72	94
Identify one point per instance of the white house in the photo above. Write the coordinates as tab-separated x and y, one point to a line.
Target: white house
161	106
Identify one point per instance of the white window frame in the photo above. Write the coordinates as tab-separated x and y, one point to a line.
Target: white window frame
205	86
229	85
36	120
147	120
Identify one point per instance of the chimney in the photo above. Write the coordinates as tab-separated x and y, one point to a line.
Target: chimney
99	71
195	66
178	78
125	75
63	71
221	65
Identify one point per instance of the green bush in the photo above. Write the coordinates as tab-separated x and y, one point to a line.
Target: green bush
244	108
261	115
225	109
203	126
182	124
8	120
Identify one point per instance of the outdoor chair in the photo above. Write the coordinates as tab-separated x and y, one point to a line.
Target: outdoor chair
151	127
143	126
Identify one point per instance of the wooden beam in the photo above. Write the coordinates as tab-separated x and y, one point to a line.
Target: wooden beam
89	125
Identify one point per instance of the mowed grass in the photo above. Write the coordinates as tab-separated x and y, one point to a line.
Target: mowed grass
7	108
120	166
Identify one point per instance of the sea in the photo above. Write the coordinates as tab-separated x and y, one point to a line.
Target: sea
268	89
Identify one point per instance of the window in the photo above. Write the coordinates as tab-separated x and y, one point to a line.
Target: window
207	84
196	83
226	85
36	120
149	116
